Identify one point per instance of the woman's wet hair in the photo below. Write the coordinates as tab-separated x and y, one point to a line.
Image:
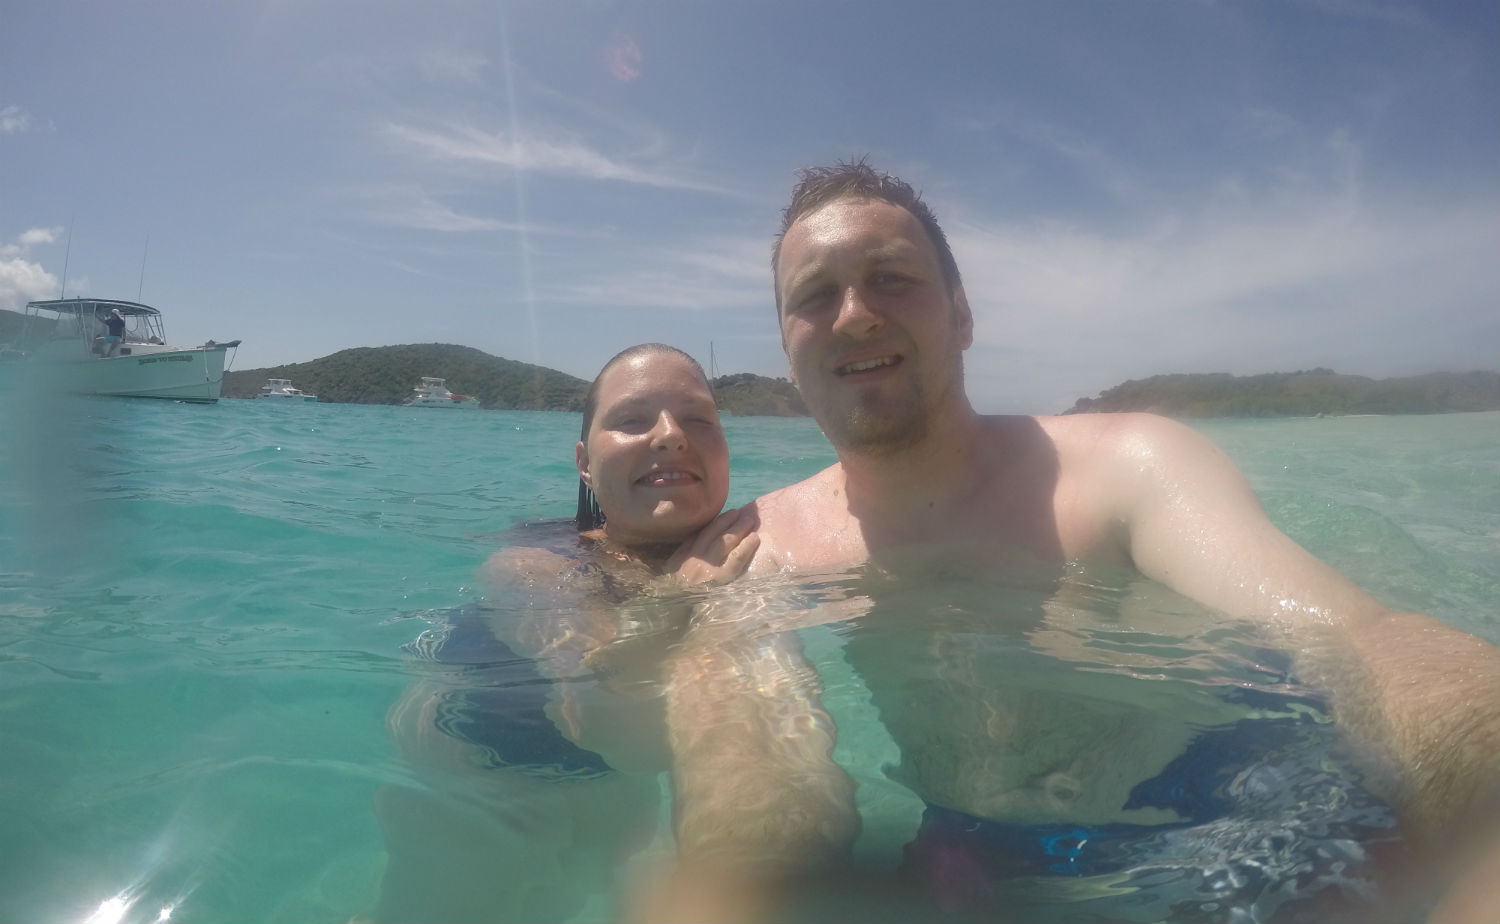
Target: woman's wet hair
589	515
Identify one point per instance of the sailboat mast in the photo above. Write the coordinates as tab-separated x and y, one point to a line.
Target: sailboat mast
62	290
142	284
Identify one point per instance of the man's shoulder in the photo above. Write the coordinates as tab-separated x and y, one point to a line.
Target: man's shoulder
1128	422
792	525
1115	434
1113	457
799	495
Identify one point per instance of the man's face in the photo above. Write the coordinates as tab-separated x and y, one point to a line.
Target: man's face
873	335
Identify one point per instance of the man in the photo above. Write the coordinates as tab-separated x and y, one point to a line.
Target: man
114	323
875	321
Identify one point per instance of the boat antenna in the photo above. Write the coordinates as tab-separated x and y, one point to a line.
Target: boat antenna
142	284
67	253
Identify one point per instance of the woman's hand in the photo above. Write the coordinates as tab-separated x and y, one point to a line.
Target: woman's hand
720	552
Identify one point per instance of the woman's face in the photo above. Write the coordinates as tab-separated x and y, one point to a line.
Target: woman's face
655	454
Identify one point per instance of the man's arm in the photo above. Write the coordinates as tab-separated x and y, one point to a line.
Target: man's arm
759	805
1423	693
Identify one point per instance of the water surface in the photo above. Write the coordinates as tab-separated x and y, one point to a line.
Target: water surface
203	611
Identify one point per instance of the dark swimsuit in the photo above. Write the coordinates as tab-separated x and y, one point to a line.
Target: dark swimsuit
498	701
1273	827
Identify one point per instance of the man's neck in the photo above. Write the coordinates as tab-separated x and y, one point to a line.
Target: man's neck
916	483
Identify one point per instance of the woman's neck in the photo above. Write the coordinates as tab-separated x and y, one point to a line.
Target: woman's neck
651	553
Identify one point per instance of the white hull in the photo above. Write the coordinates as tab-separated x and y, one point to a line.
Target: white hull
62	349
282	388
433	392
178	375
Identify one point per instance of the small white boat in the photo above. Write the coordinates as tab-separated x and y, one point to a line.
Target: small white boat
64	346
282	388
434	393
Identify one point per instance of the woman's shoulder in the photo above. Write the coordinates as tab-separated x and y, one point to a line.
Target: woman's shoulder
554	552
537	550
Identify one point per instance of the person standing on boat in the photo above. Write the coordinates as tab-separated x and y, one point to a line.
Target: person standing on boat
115	322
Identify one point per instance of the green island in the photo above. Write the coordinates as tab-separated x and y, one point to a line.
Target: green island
386	375
1307	393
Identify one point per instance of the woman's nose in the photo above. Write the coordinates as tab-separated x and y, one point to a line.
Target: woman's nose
667	434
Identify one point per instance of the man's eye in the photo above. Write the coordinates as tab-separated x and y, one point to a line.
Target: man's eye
817	298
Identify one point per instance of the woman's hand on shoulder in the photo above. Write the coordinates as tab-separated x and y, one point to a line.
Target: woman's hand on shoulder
720	552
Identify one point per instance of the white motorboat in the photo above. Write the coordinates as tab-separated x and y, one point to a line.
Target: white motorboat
282	388
434	392
63	346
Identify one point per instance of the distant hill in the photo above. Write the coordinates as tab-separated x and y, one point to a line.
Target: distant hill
10	325
1297	394
747	395
386	375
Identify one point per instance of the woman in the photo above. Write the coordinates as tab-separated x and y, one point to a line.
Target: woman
549	705
653	469
653	472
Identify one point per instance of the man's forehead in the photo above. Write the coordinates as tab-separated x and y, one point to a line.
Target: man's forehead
851	209
869	229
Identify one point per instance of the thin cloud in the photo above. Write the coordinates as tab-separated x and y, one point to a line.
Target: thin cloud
1394	11
722	275
438	68
465	143
14	120
36	237
445	67
1263	291
415	209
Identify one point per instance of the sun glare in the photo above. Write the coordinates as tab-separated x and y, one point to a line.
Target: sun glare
111	910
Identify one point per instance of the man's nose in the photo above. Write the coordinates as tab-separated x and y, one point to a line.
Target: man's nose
667	433
856	317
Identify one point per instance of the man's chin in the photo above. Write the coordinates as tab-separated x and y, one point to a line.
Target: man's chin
873	433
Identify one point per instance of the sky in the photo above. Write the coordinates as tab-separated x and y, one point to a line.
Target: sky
1131	188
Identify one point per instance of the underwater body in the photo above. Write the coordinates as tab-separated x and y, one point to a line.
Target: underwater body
208	613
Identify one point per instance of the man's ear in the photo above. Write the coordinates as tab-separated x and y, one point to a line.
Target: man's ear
581	459
963	319
790	372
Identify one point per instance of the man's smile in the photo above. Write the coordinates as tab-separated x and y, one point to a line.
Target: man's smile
867	365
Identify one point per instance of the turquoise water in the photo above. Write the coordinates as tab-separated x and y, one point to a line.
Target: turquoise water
203	608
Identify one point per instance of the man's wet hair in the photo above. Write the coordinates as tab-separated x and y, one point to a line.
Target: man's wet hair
589	515
819	186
